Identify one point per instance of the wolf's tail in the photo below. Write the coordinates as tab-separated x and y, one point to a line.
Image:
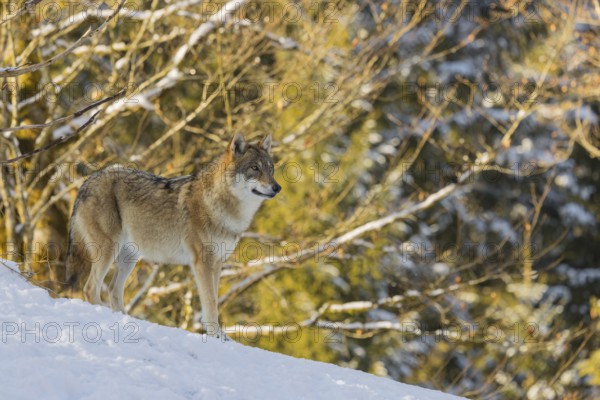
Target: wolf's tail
78	262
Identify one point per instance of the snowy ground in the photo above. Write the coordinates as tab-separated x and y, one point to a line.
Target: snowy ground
69	349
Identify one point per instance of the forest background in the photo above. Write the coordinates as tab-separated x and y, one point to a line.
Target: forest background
438	222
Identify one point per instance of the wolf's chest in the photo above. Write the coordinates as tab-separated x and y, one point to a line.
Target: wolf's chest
218	248
240	221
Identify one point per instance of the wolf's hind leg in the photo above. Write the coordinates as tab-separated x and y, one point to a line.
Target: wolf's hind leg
100	266
126	261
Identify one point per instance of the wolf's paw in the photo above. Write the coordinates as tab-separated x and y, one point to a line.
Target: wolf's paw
222	336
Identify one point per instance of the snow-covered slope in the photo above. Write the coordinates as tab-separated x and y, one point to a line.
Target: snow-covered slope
69	349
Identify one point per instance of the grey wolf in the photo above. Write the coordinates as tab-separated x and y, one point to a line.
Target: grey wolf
121	215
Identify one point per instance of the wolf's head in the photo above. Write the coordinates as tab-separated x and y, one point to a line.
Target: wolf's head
251	166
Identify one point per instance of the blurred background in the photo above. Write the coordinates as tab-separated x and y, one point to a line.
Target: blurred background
438	223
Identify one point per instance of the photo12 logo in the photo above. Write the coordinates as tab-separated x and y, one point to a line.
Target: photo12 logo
68	332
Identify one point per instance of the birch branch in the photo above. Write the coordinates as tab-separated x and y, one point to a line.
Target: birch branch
65	137
64	119
21	70
173	75
29	4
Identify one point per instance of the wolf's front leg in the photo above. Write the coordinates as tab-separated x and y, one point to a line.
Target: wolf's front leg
204	273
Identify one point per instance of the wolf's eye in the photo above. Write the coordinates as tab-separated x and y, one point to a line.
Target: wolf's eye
254	168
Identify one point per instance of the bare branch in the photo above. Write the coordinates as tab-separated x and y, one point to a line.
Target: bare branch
63	138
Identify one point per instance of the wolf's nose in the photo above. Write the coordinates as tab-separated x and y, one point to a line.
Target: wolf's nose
276	188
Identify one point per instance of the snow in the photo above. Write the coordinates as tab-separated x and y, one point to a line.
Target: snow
575	214
578	276
69	349
67	129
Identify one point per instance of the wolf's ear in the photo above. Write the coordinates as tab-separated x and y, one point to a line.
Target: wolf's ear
265	143
237	147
